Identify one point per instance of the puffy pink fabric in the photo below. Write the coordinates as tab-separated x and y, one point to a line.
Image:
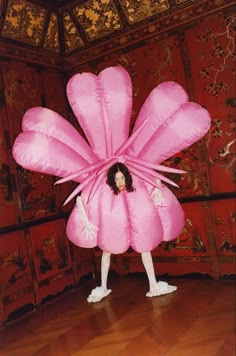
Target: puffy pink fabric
52	124
129	219
45	154
166	124
102	104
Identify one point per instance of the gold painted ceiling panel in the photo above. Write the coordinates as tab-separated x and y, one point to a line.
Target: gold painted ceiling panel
137	10
24	21
98	18
92	27
72	38
52	36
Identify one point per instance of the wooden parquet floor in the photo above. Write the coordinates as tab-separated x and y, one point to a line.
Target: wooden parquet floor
197	320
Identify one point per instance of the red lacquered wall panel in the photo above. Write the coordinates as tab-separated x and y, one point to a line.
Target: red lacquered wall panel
212	55
224	220
15	273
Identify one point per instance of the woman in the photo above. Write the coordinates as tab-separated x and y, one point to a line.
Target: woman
121	183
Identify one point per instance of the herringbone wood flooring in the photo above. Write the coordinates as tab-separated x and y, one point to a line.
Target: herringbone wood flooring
197	320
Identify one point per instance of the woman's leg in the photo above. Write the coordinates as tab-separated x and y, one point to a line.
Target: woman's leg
155	288
105	265
101	292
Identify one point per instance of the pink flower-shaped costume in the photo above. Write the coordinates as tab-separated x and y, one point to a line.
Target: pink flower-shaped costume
167	123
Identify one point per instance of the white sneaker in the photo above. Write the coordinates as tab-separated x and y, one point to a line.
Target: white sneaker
98	294
161	288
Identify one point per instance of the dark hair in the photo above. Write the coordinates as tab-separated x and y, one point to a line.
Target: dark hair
119	167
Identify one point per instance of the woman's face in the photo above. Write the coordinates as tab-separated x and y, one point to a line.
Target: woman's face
120	181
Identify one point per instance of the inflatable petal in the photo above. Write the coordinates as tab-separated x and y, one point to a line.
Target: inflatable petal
41	153
102	105
188	125
52	124
117	99
162	103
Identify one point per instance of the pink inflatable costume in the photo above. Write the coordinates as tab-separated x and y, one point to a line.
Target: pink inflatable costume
167	123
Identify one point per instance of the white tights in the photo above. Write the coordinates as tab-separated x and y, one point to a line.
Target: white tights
155	288
147	262
105	265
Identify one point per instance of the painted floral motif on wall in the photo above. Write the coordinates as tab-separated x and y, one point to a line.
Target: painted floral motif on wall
50	246
15	84
18	262
190	239
212	56
222	44
225	158
162	62
37	196
52	254
14	263
224	218
191	183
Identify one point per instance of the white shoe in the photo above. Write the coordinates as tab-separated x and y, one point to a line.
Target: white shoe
98	294
161	288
